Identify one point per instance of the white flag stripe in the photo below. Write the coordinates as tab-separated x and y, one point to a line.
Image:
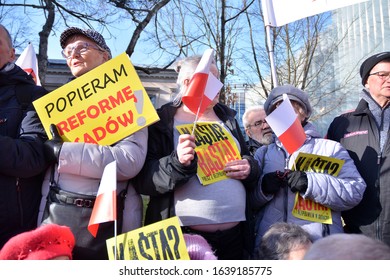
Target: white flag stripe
108	182
282	117
28	60
212	87
281	12
205	62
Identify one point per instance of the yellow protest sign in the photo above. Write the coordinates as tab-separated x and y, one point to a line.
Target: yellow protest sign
307	209
159	241
319	164
215	147
102	106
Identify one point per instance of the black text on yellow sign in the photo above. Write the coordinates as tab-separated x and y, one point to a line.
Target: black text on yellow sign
102	106
215	147
159	241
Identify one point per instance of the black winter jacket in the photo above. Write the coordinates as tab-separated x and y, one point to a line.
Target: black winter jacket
163	172
359	134
22	158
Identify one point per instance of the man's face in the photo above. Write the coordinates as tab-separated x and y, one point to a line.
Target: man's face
7	53
258	129
378	83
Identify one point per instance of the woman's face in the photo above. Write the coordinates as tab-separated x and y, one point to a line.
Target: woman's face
84	55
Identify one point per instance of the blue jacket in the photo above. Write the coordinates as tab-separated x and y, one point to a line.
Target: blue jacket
22	158
338	193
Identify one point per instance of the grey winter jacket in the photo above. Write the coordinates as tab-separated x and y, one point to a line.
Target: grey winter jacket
338	193
81	167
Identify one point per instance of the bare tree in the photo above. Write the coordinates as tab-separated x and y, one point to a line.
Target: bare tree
303	53
188	27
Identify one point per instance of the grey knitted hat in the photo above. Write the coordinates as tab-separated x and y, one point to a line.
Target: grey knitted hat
293	93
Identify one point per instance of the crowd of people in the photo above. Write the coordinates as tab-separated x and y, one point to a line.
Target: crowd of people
251	213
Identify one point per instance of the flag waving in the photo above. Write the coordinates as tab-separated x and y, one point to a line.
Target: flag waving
28	62
281	12
203	87
104	209
286	125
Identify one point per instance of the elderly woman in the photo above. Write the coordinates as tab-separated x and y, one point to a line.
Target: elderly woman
169	176
277	189
79	166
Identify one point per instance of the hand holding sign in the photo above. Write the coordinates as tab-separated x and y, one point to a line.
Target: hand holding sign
53	146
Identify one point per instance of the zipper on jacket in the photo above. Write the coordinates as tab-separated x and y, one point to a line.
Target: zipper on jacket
19	196
378	189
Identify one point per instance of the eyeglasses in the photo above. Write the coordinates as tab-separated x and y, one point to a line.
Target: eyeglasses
79	49
383	75
258	123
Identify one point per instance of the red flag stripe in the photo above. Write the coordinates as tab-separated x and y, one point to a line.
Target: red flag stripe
293	137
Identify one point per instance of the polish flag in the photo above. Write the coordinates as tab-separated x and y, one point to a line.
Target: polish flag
104	209
203	87
28	62
286	125
281	12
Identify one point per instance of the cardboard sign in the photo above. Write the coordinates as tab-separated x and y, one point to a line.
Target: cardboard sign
102	106
159	241
215	147
307	209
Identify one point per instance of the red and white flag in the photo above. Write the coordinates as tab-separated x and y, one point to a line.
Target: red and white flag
203	87
28	62
281	12
104	209
286	125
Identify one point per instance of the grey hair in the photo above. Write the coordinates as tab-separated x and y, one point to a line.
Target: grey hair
8	35
257	108
280	239
185	69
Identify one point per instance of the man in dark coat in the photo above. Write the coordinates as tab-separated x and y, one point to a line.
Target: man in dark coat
21	145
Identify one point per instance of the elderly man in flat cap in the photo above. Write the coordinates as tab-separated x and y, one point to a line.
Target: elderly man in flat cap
364	133
78	167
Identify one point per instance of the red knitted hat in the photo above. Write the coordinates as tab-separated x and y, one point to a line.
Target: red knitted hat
44	243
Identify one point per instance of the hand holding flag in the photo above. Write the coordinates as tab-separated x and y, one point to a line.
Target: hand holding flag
104	209
28	62
203	87
286	125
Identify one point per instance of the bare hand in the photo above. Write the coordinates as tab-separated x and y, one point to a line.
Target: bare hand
186	149
238	169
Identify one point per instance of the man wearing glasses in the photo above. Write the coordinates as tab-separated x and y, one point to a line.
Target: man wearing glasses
364	133
256	128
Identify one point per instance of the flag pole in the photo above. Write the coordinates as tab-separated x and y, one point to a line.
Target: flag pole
271	55
267	7
115	235
196	117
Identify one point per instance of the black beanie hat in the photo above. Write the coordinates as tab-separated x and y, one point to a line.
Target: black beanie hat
370	62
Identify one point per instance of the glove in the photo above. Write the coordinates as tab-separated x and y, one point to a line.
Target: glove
53	146
297	181
272	182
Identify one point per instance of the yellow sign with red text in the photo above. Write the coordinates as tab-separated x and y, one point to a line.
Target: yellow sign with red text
215	147
102	106
307	209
